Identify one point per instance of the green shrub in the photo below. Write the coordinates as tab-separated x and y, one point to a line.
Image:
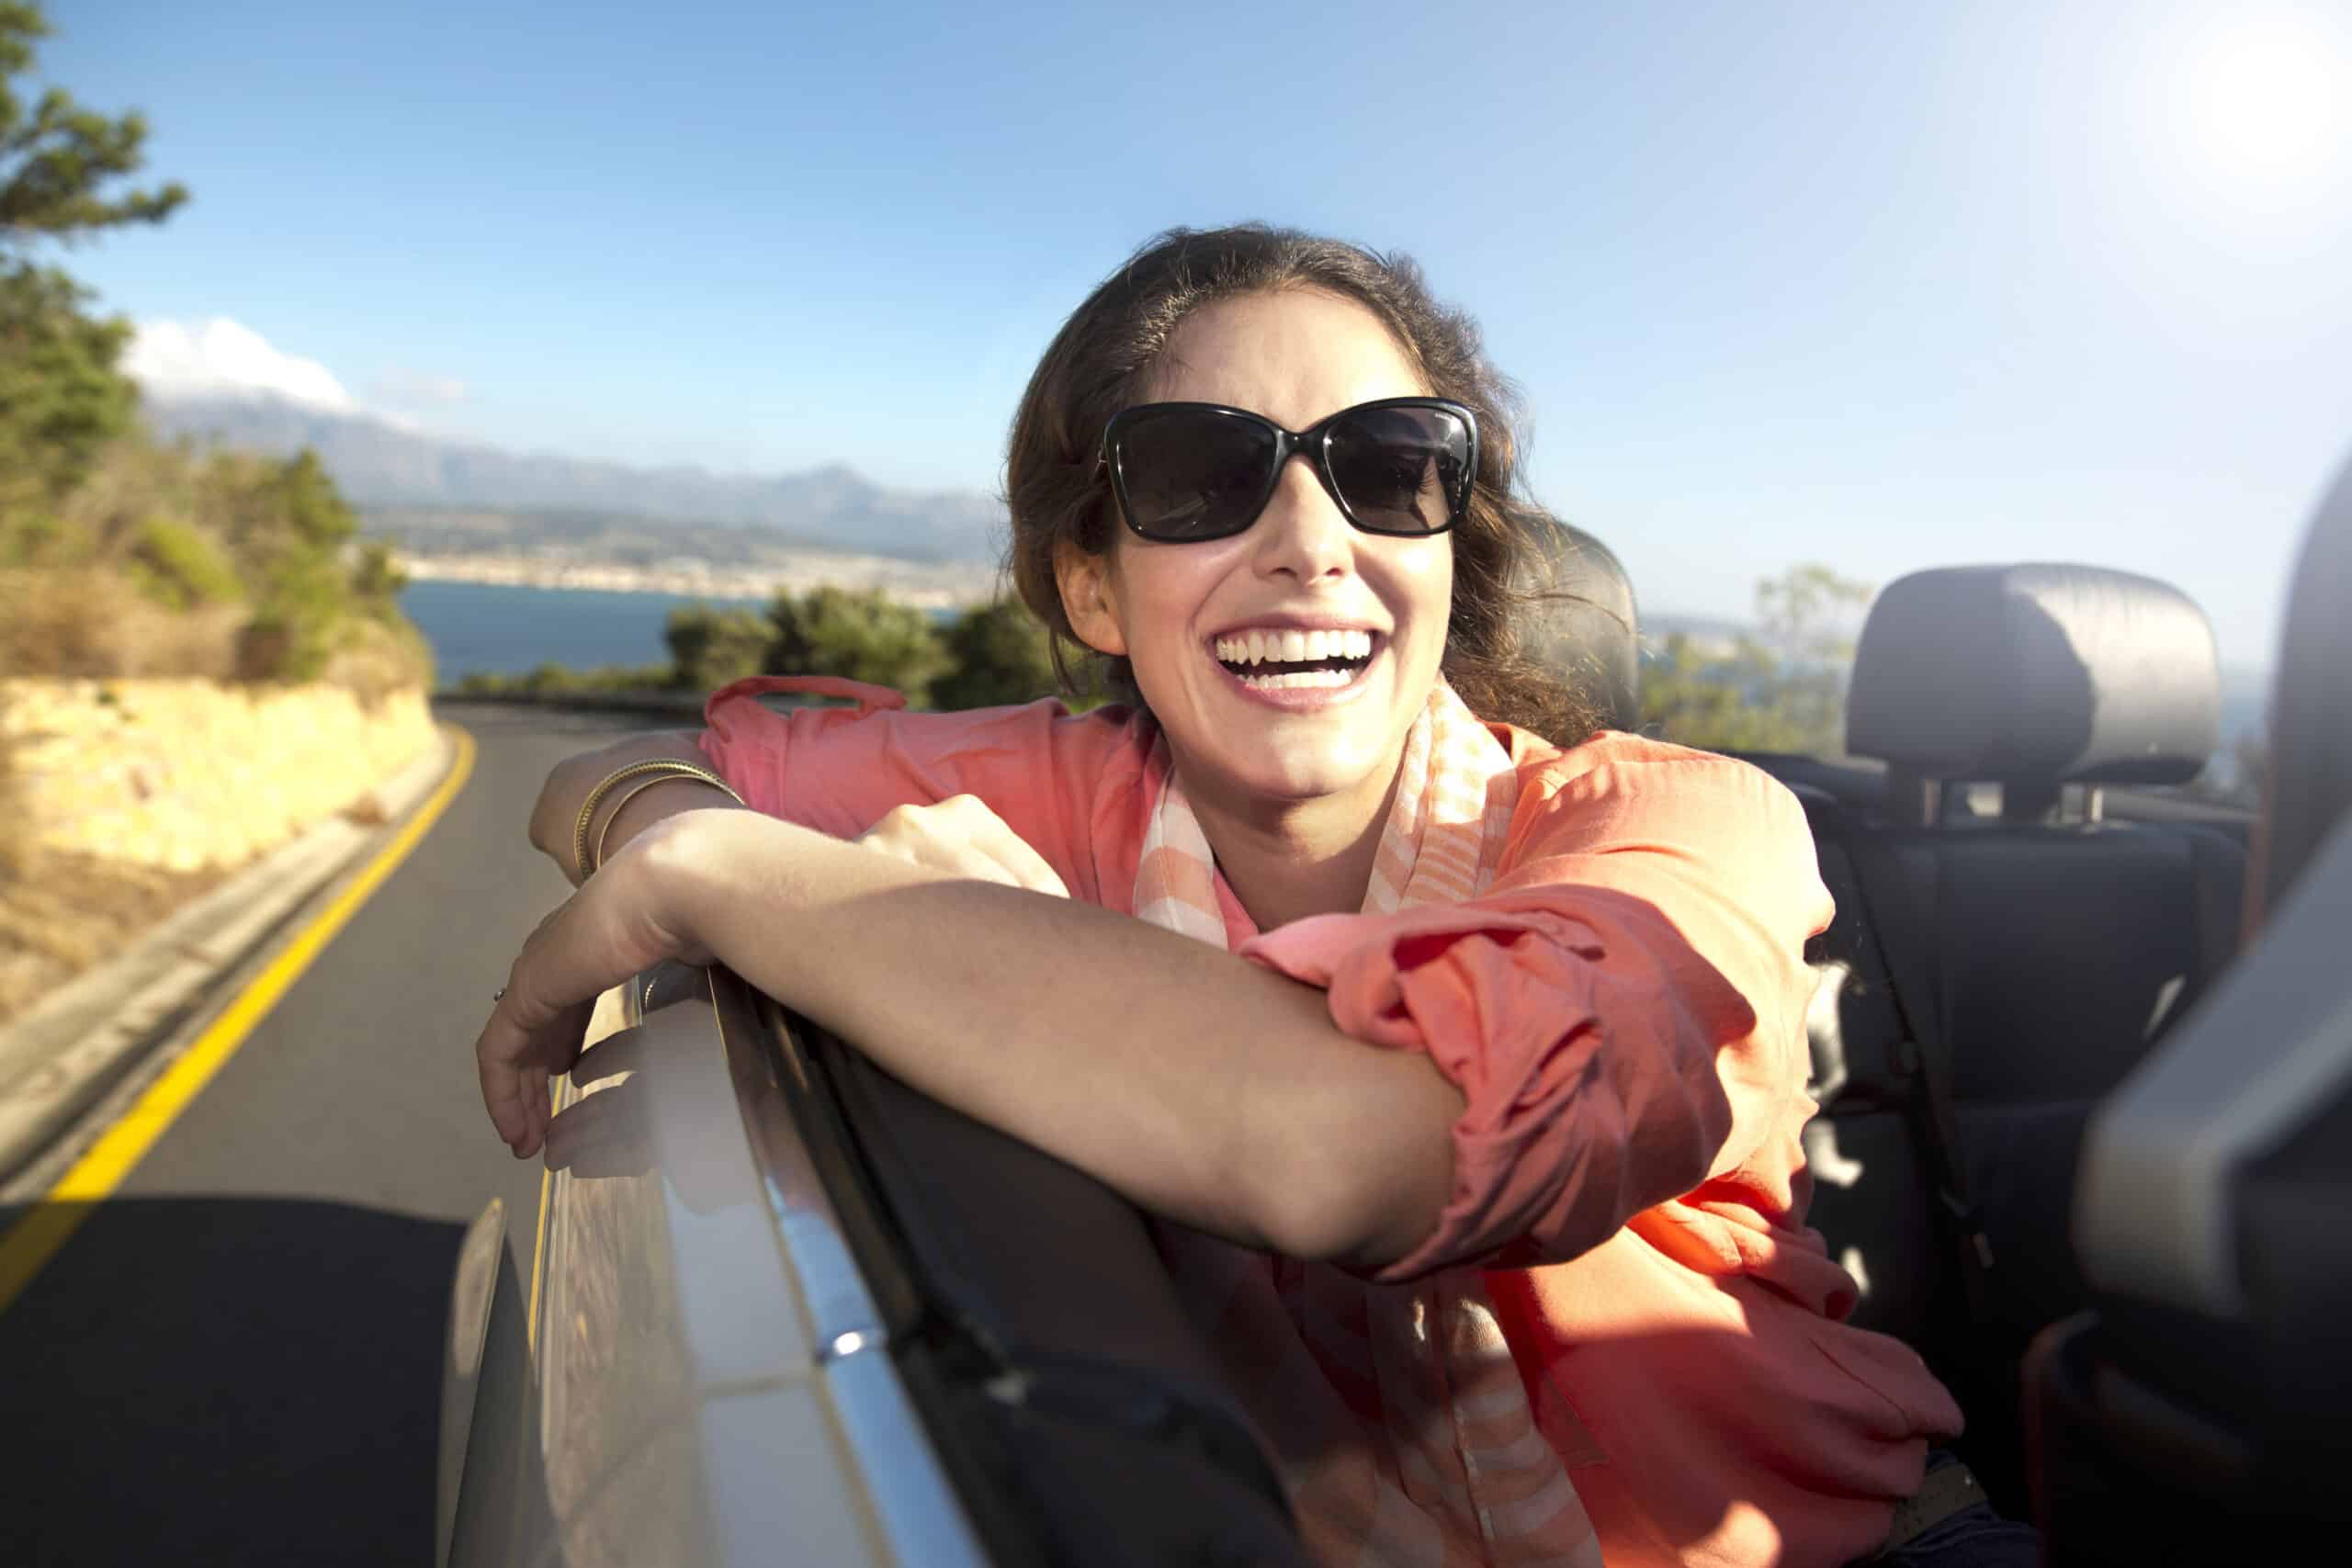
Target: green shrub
627	677
177	566
858	634
1782	689
375	582
710	646
60	398
997	654
303	600
35	536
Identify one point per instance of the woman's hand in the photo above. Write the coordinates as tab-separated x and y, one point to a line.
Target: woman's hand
622	920
962	838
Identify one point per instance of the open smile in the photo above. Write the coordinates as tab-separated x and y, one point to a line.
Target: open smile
1293	669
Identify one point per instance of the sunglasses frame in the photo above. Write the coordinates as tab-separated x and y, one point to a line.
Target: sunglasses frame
1313	443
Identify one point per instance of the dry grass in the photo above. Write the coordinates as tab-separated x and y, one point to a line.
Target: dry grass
88	622
15	850
61	913
374	660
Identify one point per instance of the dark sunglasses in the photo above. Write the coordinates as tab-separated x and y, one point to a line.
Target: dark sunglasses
1186	473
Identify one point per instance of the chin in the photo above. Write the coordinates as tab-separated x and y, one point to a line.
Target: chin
1301	771
1251	752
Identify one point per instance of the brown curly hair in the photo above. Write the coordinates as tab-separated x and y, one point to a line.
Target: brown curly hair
1103	359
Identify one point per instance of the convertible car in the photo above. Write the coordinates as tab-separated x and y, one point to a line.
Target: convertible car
2084	1053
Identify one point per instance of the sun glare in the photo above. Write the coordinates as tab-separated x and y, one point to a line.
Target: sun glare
2264	98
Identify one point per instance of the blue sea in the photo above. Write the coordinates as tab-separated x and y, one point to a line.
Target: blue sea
495	629
492	628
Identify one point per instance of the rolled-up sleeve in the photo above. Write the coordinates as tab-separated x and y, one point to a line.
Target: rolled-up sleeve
1622	1014
840	770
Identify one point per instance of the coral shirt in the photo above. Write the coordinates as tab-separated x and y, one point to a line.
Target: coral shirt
1624	1013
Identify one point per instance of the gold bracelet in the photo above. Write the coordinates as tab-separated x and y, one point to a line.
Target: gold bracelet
667	767
620	801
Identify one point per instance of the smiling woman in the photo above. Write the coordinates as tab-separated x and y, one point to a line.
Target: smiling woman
1461	1041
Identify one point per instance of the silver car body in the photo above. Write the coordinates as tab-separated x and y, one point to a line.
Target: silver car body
695	1372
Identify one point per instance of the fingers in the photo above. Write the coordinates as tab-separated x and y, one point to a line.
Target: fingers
937	838
502	1096
515	1062
534	1028
538	1101
960	836
1023	865
623	1051
601	1134
599	938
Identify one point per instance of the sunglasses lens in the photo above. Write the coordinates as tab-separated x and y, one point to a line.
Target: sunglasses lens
1400	470
1194	475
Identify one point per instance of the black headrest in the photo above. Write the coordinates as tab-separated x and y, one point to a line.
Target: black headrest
1586	625
2047	674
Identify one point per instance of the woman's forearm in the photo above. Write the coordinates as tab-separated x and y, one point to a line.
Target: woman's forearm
1201	1086
621	815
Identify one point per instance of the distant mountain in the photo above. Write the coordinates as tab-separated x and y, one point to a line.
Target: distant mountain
381	465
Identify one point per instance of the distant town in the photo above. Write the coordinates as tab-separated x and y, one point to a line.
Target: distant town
931	585
556	547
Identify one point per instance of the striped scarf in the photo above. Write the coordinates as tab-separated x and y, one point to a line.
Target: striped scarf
1397	1411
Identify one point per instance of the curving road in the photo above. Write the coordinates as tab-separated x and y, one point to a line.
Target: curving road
237	1355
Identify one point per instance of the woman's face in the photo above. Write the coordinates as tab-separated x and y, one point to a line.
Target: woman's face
1181	612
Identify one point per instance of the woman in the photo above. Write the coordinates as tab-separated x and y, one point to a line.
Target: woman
1479	1059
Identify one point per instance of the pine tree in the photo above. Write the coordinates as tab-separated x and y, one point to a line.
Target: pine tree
61	397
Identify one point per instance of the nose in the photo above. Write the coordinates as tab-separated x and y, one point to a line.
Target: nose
1302	532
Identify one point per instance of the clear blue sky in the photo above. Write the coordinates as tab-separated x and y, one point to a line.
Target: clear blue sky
1886	285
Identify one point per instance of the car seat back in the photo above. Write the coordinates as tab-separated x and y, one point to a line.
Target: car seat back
2053	946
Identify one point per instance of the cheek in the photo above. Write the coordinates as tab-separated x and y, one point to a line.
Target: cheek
1425	589
1166	604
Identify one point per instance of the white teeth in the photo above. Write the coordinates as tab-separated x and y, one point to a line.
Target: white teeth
1293	647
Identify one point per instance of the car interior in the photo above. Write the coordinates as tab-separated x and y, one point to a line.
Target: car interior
2025	921
2195	1413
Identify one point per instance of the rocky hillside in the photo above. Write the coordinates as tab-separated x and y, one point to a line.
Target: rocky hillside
381	465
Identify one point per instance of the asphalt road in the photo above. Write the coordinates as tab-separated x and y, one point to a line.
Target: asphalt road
237	1357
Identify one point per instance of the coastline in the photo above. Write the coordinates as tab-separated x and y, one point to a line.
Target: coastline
930	585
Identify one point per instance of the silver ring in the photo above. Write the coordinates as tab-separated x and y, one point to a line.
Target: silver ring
499	997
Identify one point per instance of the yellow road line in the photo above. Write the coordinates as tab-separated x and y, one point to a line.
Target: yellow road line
34	1240
560	1094
538	1251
